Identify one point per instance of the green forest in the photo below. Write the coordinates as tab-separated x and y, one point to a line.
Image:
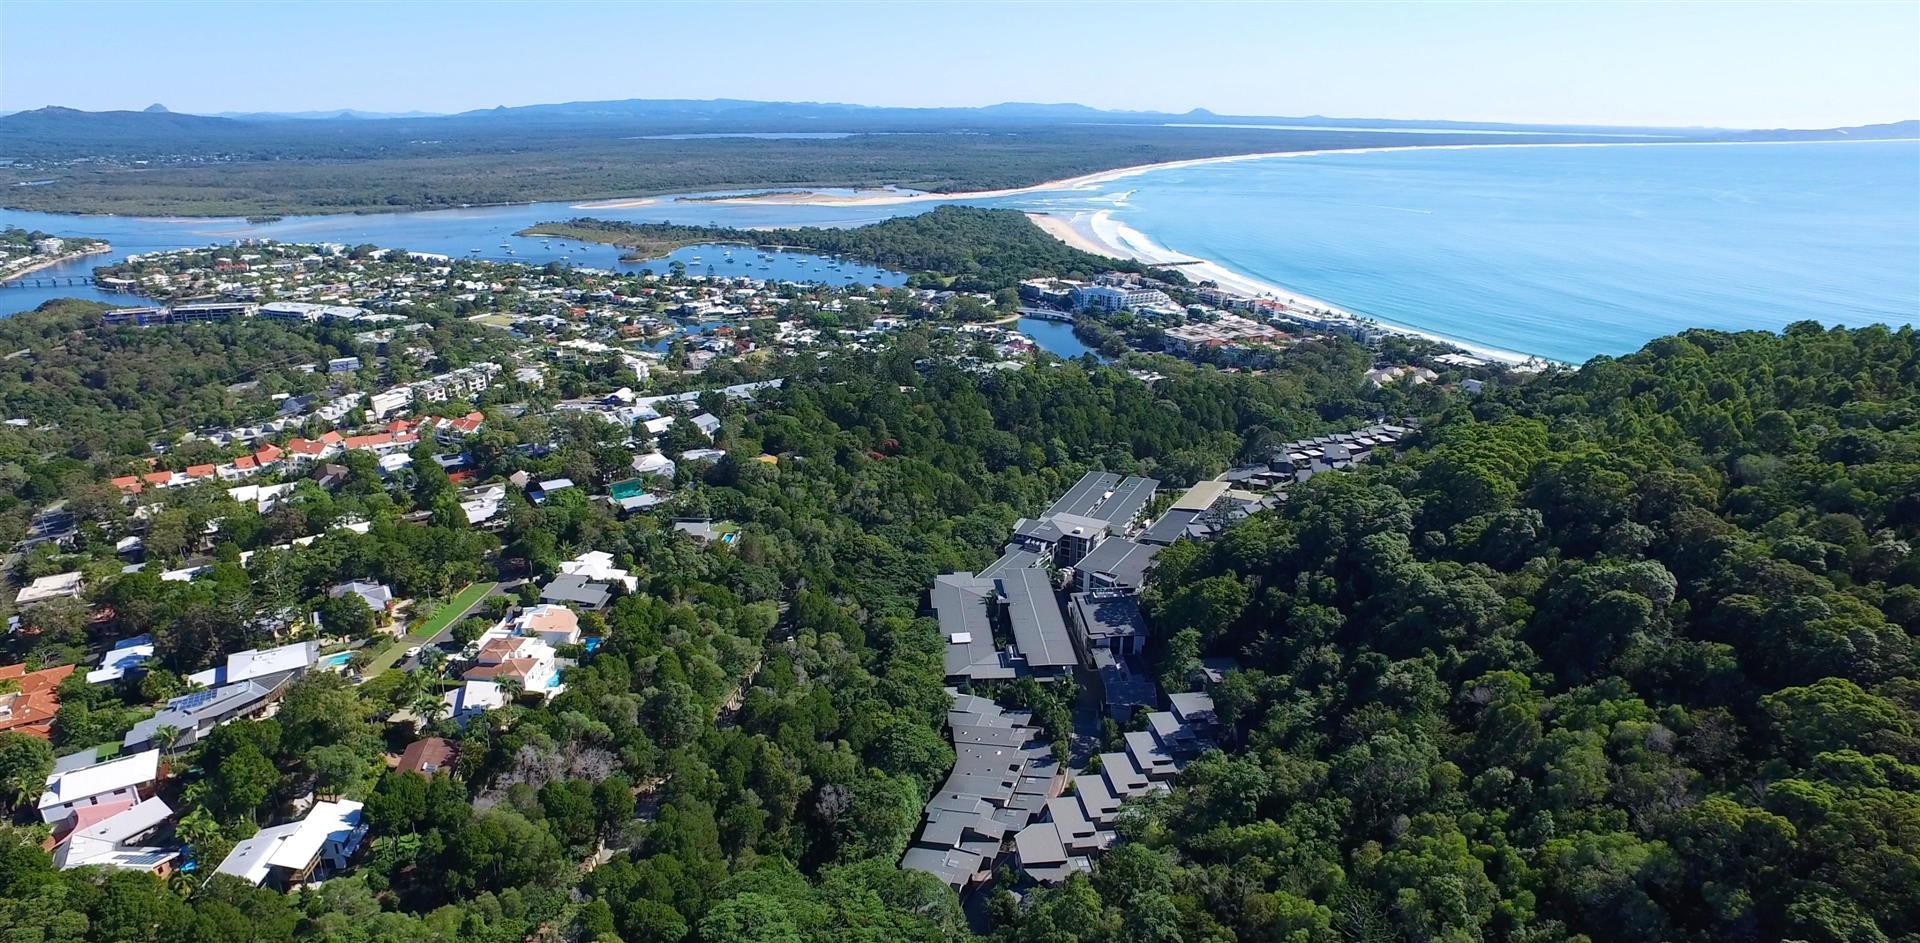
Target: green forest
1624	654
173	164
1608	654
968	247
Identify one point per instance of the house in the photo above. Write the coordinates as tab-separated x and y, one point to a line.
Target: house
1107	620
34	701
473	698
578	591
195	714
597	565
262	664
541	491
653	463
523	659
427	756
105	836
343	365
129	778
703	455
127	656
557	626
58	586
287	856
377	596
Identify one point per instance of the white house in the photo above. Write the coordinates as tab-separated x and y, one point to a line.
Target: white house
103	836
554	625
292	854
259	663
119	779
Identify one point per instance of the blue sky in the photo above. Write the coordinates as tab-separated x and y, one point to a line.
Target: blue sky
1724	64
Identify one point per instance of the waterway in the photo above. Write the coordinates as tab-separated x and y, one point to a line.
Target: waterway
1564	252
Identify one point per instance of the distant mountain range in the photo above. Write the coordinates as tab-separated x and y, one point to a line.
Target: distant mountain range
56	131
848	117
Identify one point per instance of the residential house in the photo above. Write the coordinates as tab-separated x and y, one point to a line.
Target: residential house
130	777
287	856
261	664
428	756
57	586
106	836
34	701
127	656
194	715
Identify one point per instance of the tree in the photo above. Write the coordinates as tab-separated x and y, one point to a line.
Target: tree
346	615
241	781
25	763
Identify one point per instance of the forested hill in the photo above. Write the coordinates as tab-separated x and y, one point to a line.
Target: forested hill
986	248
1624	654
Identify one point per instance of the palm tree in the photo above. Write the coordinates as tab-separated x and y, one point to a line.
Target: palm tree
428	706
164	737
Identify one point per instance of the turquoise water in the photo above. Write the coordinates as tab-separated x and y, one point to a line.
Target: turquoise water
1564	252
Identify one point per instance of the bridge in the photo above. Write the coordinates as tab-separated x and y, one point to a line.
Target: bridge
49	281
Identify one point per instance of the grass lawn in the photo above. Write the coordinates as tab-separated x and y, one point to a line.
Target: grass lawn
450	611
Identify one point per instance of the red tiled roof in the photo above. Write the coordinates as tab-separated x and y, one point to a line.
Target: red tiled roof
36	702
128	483
511	668
245	463
157	478
431	755
200	471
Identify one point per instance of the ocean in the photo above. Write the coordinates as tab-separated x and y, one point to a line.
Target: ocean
1557	251
1563	252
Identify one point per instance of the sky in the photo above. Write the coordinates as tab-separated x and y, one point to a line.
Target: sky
1733	65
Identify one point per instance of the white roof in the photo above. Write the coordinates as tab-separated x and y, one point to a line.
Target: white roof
121	659
294	845
121	773
475	696
50	587
258	663
143	817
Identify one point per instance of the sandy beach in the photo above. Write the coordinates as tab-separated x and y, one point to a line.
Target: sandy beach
1099	233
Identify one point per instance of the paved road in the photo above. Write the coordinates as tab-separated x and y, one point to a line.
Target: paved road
444	635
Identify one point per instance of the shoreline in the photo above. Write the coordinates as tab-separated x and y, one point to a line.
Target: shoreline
59	260
878	196
1097	232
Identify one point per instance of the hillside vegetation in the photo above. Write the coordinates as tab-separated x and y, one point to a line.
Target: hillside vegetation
1626	654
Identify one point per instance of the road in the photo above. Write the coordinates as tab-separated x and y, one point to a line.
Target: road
410	662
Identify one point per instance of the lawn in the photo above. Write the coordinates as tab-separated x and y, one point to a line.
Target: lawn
450	611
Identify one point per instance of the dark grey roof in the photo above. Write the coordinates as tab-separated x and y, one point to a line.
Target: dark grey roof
1191	706
1085	495
963	604
1038	631
1015	558
572	587
1120	561
952	865
1105	614
199	711
1170	527
1129	498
